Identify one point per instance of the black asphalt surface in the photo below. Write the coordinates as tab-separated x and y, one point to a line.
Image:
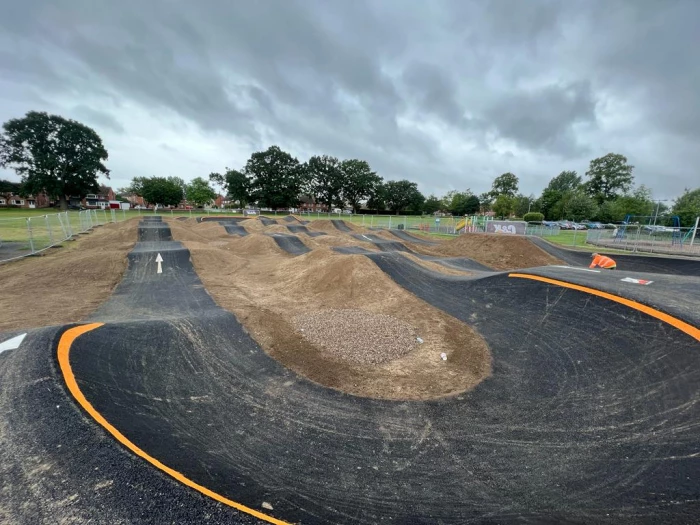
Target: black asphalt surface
633	263
341	225
221	219
590	415
290	243
382	243
236	229
10	250
351	250
299	228
266	221
457	263
405	236
678	295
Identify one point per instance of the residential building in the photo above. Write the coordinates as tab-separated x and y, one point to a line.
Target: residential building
308	204
15	200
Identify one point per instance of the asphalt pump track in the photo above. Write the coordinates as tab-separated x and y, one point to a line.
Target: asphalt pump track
161	408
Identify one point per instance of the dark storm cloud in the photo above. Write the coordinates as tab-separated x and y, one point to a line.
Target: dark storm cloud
433	91
544	118
97	118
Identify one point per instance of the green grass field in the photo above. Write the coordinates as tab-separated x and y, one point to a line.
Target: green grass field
13	223
24	228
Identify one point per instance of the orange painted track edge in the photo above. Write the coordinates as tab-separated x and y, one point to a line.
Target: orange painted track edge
64	346
653	312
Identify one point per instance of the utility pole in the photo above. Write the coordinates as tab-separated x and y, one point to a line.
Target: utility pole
658	203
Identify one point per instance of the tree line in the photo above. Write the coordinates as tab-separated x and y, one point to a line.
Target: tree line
276	179
63	158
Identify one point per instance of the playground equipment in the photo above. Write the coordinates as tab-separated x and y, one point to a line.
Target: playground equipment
475	223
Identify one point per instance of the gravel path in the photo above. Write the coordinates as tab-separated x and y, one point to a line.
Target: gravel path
358	336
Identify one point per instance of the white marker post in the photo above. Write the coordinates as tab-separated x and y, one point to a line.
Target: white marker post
159	260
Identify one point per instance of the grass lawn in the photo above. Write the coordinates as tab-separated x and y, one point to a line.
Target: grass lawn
43	225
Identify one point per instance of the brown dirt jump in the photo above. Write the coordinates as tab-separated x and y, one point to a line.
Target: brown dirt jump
500	252
267	290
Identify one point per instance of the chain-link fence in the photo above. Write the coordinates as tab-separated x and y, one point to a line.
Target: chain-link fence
647	238
23	236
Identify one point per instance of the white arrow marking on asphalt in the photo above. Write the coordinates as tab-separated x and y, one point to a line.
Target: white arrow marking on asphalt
13	343
159	260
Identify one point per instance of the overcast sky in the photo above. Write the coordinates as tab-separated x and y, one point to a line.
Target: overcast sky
449	94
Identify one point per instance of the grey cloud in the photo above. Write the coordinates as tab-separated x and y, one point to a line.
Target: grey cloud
543	119
98	118
342	77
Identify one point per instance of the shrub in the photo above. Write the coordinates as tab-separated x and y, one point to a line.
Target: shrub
533	216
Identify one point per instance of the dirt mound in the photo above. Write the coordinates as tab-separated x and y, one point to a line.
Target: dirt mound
323	225
341	239
497	251
191	230
73	280
255	244
435	267
254	225
276	228
267	292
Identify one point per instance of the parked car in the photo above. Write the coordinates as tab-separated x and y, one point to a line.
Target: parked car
652	229
565	225
577	226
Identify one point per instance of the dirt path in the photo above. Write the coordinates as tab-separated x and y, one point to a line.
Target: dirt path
65	284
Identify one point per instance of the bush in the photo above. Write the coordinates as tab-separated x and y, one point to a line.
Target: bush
533	216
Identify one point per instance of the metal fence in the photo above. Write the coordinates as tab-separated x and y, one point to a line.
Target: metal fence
649	239
23	236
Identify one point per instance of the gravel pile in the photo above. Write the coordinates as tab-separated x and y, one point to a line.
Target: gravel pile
357	336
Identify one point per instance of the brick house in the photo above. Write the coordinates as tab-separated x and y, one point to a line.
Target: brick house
14	200
308	204
221	201
135	200
94	200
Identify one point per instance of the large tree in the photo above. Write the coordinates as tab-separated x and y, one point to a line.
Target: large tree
637	202
377	201
580	206
402	195
359	182
236	184
687	207
155	190
277	178
58	156
199	192
431	205
462	203
608	177
8	188
506	184
485	201
557	194
503	206
325	179
565	181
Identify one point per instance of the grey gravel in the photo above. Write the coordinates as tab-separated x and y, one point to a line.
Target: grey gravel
357	335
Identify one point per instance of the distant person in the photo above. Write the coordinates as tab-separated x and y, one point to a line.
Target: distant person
603	261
